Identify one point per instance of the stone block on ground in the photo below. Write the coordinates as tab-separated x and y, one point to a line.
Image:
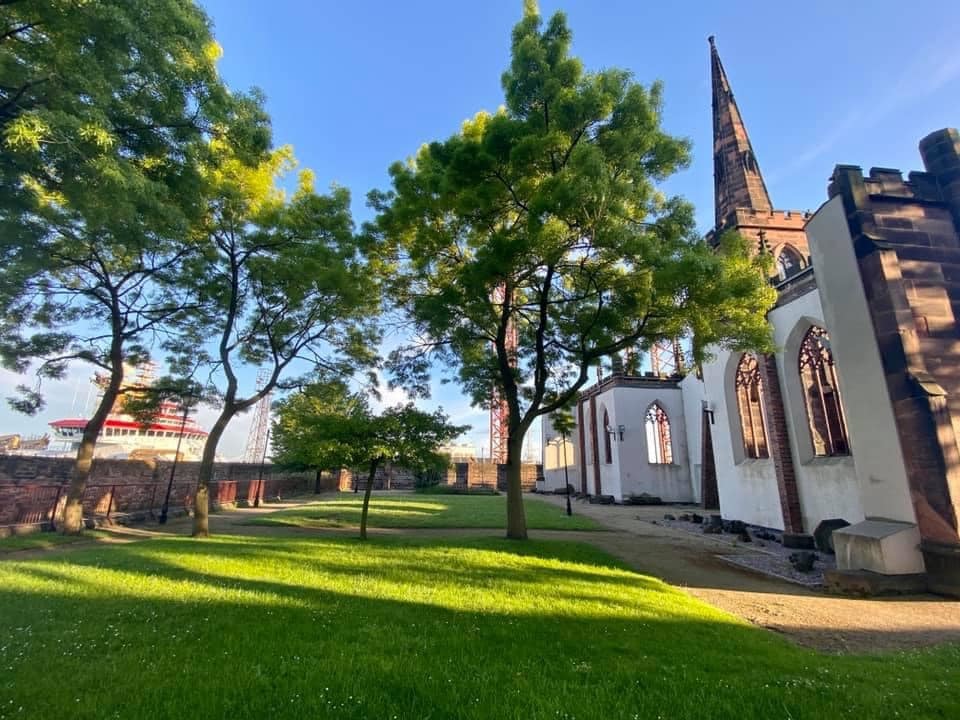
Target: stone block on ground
602	500
943	567
803	560
734	527
642	499
886	547
823	535
865	582
798	541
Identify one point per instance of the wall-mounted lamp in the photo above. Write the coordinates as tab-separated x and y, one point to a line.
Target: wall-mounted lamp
615	432
708	409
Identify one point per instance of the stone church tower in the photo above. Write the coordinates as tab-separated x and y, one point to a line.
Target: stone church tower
742	204
741	199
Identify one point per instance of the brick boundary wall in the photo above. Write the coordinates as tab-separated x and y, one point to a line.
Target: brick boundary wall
473	474
33	489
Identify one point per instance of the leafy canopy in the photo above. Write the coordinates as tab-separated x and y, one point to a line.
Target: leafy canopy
326	426
105	112
545	219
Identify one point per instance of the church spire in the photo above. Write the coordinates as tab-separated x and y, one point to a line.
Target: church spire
736	174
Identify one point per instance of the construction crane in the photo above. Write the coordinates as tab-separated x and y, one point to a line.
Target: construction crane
257	438
666	358
499	410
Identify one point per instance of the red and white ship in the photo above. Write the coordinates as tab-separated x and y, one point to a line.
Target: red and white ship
122	436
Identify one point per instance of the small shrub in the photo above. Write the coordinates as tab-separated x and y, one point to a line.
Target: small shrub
456	490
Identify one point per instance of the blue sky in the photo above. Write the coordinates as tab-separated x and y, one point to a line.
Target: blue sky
354	86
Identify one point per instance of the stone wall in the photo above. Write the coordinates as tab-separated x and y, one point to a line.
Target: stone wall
32	488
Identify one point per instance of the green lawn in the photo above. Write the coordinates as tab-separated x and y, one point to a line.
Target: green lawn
434	511
282	627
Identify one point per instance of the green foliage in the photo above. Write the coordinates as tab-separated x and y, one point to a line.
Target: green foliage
545	217
562	422
105	111
428	478
290	627
281	279
326	426
458	490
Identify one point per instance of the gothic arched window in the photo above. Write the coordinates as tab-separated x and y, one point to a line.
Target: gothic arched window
789	262
607	449
659	444
750	404
821	394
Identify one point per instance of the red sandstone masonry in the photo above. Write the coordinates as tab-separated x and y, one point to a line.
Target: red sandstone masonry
779	445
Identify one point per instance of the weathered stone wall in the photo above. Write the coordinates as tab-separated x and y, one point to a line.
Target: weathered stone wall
31	488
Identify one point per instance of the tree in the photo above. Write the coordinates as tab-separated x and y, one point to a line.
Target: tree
283	279
544	220
562	422
291	432
346	433
105	111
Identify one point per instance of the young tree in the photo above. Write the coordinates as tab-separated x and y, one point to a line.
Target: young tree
562	422
347	433
294	447
544	220
283	279
105	109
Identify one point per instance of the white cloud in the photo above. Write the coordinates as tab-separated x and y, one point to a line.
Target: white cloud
926	76
72	396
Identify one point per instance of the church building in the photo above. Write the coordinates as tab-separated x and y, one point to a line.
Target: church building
856	416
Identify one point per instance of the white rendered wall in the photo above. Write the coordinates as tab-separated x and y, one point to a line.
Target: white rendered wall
881	475
827	486
552	457
747	487
693	393
634	472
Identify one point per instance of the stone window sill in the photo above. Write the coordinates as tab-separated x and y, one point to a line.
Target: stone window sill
828	460
754	461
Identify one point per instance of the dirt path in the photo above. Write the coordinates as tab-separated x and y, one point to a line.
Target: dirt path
825	622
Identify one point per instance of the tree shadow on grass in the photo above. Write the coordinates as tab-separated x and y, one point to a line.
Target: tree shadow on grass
246	645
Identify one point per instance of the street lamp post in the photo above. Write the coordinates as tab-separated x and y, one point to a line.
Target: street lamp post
566	476
173	467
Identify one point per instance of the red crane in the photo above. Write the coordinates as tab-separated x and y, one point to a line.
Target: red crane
499	410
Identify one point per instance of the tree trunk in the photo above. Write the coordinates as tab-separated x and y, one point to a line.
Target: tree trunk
72	522
318	483
201	502
516	518
366	499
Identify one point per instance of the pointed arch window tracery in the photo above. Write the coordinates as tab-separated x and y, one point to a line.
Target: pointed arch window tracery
821	395
789	262
659	441
749	387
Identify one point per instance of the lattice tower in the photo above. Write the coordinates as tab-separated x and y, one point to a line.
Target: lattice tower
257	438
666	358
499	410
